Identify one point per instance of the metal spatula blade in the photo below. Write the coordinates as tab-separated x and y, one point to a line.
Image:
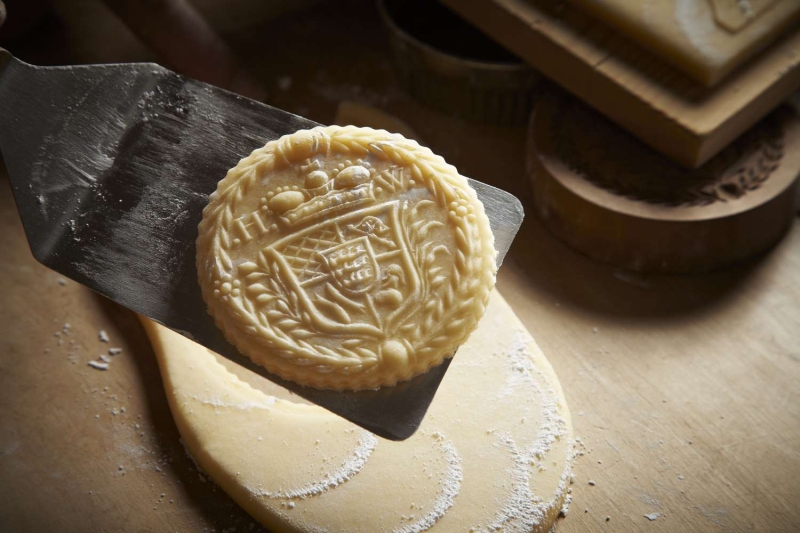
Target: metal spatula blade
111	166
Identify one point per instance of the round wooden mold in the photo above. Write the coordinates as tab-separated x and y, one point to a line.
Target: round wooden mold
614	199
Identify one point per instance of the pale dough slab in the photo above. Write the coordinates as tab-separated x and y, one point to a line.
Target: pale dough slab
495	449
706	39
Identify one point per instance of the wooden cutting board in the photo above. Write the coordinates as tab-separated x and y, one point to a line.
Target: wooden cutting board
684	390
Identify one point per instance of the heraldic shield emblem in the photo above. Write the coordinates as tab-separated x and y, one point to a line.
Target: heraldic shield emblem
348	266
341	271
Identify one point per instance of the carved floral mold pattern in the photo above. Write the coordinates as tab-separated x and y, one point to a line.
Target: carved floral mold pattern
345	258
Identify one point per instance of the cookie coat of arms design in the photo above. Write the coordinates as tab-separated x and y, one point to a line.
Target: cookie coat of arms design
345	258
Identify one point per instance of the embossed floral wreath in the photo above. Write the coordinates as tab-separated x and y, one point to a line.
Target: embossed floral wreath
450	311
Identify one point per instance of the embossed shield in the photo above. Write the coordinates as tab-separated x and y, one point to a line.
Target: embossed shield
352	265
342	264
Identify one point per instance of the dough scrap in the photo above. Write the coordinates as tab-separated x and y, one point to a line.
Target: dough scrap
345	258
493	454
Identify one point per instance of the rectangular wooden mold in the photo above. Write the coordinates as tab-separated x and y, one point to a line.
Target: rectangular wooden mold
674	114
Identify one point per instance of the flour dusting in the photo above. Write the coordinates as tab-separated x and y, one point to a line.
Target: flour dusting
524	510
267	404
350	468
98	365
450	485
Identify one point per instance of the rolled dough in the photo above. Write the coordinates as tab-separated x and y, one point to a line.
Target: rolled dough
493	454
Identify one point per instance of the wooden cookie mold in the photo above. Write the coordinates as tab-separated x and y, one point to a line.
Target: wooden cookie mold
609	196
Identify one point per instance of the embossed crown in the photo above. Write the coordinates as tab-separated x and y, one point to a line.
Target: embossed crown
324	194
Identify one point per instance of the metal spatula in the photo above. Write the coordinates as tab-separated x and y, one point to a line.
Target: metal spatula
111	166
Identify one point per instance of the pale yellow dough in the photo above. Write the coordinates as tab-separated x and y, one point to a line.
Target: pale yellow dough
345	258
493	454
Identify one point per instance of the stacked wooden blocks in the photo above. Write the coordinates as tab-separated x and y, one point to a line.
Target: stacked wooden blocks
695	168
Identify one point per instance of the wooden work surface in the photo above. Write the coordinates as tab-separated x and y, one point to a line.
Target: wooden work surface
685	391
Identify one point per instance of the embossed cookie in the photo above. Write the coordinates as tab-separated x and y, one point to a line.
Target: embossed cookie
345	258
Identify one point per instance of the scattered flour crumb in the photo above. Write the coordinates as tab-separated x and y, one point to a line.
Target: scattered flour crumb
114	351
565	508
62	281
592	483
103	336
97	365
652	516
105	358
745	7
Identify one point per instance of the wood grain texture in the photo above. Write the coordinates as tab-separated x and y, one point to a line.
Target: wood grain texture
721	349
672	113
84	449
684	389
